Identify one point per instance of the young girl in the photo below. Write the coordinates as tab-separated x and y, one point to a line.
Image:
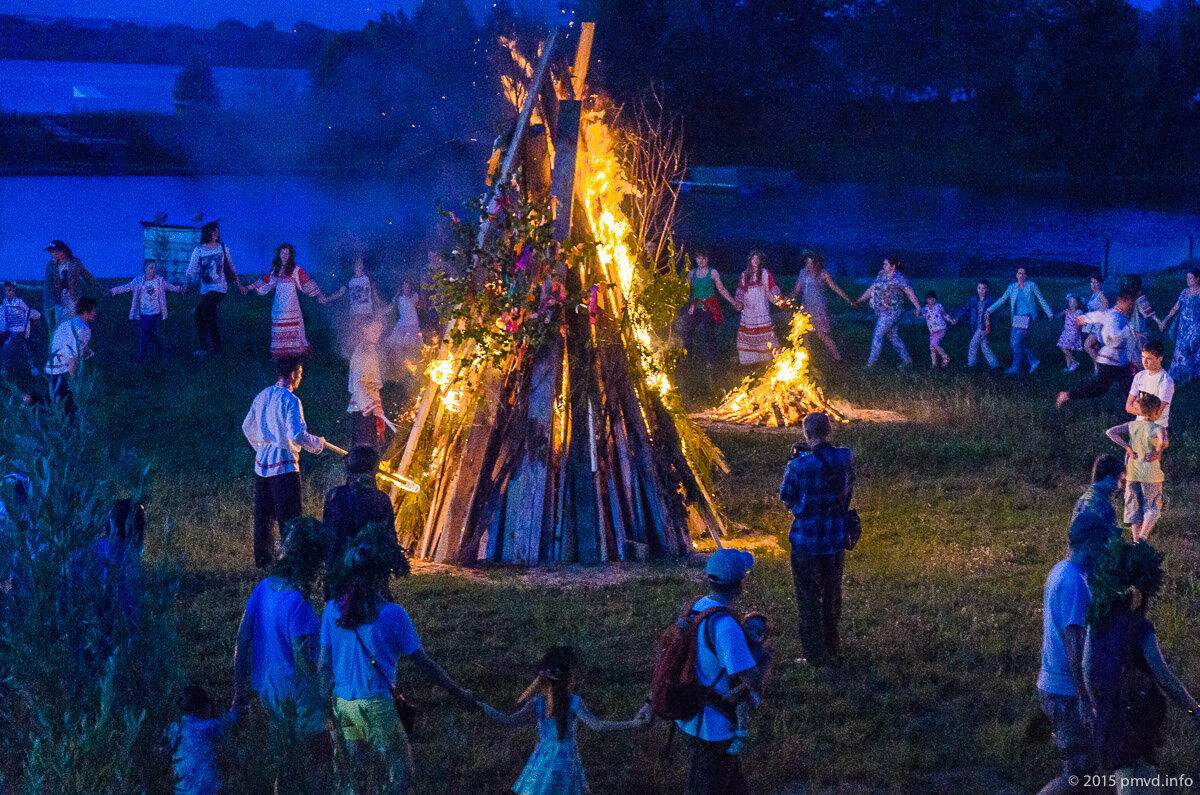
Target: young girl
936	320
757	628
555	767
194	740
1071	338
149	305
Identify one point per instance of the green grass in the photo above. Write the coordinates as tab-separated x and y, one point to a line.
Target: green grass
965	510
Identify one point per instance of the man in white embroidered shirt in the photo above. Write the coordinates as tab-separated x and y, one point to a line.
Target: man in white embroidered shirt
275	428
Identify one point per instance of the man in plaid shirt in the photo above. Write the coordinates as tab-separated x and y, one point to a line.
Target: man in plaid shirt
817	486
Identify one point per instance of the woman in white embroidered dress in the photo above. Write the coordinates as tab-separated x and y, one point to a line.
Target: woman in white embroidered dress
288	280
756	291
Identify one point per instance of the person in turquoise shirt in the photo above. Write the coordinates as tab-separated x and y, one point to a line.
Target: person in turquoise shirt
1021	296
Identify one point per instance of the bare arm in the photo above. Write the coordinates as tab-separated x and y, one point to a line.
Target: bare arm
595	724
1162	324
912	296
716	277
1074	639
1119	434
833	286
522	715
1166	677
434	673
1131	406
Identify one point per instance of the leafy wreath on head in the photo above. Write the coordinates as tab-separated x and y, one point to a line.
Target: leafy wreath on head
1118	569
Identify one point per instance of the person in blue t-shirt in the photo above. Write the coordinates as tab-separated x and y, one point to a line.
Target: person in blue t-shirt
1062	693
363	637
276	652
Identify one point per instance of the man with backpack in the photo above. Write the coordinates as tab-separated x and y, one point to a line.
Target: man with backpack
720	654
817	488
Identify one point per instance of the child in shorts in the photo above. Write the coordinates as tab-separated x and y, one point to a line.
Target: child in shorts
936	320
1144	441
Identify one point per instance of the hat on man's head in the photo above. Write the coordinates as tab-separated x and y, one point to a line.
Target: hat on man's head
57	245
1089	528
727	566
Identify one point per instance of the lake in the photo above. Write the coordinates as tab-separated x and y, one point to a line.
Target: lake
65	87
951	231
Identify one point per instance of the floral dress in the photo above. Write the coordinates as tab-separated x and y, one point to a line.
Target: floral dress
1071	338
555	767
1185	364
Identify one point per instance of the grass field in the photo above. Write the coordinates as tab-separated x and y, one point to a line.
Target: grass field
965	508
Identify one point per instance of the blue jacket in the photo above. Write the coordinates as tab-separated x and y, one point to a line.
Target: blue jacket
974	310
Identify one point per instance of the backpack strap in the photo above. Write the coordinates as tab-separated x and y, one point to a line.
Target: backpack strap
378	668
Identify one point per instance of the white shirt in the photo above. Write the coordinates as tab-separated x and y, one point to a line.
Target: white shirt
721	651
362	295
208	265
69	345
16	314
275	428
1114	331
365	381
1159	384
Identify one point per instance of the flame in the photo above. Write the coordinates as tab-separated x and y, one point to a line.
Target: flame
785	393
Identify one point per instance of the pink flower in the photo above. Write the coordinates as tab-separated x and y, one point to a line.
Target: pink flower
523	260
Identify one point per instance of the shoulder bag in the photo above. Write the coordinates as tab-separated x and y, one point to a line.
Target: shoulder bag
404	709
850	520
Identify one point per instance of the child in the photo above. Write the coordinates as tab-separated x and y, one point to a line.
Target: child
936	319
1144	441
1071	338
404	343
975	311
555	766
366	407
757	628
149	305
14	331
364	298
194	741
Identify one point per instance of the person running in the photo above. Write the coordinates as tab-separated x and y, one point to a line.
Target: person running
148	307
884	294
1185	363
1111	361
274	426
756	291
287	280
63	285
364	635
703	309
975	311
810	289
936	320
1023	298
1128	681
16	323
212	267
555	768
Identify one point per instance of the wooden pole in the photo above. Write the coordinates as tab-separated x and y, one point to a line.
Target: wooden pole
583	56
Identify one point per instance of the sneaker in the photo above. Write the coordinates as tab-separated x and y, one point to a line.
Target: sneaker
1012	370
1034	366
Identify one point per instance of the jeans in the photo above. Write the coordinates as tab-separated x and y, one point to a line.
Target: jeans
276	499
206	321
714	771
818	583
979	343
887	324
1020	351
147	335
1106	376
700	323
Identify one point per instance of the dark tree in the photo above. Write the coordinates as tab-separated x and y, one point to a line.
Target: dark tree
194	86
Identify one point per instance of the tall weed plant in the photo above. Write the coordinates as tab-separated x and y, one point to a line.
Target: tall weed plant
88	662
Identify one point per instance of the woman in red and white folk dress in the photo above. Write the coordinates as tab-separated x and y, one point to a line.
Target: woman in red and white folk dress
288	280
756	291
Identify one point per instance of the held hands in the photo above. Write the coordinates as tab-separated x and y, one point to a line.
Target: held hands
466	700
490	712
645	716
738	305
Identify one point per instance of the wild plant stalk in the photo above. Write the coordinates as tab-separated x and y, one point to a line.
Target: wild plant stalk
87	644
654	153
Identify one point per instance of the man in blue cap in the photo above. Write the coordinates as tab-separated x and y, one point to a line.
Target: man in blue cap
1061	690
721	654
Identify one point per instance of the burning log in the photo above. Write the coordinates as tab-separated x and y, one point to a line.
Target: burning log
782	395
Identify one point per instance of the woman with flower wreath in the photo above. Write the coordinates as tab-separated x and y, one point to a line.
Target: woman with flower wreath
363	637
1127	678
756	291
288	280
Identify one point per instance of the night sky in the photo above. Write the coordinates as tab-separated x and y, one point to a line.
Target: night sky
334	14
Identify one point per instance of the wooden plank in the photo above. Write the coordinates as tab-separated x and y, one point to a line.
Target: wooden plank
562	179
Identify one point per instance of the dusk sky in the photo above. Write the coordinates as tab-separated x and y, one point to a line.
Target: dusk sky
335	14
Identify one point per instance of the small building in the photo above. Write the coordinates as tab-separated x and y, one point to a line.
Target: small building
171	245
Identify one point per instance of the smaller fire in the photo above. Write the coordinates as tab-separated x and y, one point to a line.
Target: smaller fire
782	395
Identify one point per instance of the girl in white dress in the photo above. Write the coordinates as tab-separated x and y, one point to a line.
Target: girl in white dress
404	343
756	291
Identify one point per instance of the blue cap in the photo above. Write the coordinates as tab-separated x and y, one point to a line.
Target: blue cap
727	566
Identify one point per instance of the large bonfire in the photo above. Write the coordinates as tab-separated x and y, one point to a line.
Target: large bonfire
547	428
